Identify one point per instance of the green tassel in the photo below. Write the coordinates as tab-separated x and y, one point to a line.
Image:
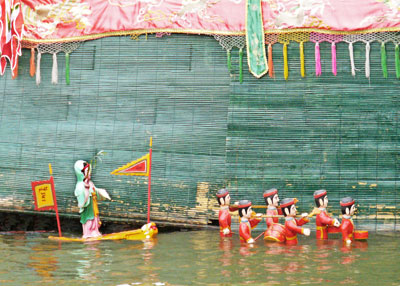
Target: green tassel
228	55
397	58
241	65
67	68
383	61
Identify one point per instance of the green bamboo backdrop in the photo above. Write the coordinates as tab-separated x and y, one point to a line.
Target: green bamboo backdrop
209	131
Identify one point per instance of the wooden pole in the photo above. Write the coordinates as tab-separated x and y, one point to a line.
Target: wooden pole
55	200
259	236
149	184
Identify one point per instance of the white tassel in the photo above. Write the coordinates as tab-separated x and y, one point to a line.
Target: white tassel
353	68
39	56
367	68
54	72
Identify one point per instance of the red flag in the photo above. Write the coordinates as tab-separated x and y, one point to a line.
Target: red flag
11	30
138	167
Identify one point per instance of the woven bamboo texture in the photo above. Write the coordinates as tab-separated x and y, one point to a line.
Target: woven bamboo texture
209	131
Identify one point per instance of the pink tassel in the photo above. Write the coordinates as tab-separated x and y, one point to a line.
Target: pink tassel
317	60
334	71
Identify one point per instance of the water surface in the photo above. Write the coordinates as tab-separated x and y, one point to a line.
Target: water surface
197	258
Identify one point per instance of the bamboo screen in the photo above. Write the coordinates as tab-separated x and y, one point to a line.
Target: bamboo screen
209	131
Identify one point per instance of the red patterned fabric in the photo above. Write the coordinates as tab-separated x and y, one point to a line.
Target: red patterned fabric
271	220
89	19
11	29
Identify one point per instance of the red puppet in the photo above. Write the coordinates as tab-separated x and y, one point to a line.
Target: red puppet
247	222
323	220
224	217
347	227
272	201
275	231
291	223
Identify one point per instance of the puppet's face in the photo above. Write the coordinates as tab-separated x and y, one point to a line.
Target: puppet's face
86	170
227	200
275	200
325	202
352	209
248	213
293	211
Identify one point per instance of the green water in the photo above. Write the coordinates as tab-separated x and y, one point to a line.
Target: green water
195	258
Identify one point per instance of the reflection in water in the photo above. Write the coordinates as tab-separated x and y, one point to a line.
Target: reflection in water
226	245
88	260
200	257
148	257
43	262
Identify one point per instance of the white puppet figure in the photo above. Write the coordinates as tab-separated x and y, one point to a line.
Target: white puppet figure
87	194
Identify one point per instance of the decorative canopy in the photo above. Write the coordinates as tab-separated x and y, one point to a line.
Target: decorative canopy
250	24
71	20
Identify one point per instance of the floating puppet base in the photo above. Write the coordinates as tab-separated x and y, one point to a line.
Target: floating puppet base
275	232
360	234
146	232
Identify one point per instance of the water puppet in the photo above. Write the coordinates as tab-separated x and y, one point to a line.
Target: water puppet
224	217
87	194
275	231
272	201
348	208
248	221
323	220
292	225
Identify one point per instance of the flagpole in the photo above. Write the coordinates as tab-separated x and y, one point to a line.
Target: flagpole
149	184
55	200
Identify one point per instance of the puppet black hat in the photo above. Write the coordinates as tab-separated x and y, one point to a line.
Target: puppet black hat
347	202
270	192
319	193
222	193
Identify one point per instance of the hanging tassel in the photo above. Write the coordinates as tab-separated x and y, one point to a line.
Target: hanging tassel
67	68
32	63
54	72
353	67
397	59
285	62
228	56
383	61
333	52
39	56
14	72
270	62
241	65
367	65
302	68
317	60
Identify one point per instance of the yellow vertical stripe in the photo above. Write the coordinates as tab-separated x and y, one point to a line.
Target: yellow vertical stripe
285	62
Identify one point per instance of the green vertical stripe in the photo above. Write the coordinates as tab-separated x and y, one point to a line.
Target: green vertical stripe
241	65
228	56
67	68
397	60
383	61
255	39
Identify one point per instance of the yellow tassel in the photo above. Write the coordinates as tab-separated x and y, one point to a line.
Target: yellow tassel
285	62
303	73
